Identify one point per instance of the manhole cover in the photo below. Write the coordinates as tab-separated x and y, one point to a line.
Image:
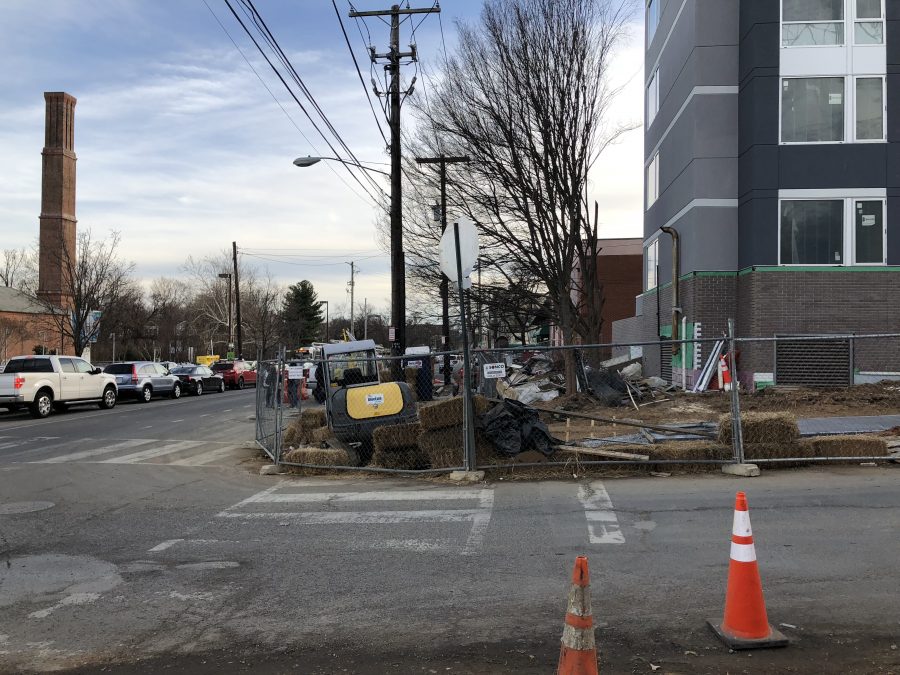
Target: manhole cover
11	508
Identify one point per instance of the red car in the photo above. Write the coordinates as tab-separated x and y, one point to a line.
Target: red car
237	373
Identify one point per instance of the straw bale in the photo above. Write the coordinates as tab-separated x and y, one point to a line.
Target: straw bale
445	448
290	436
323	456
312	418
392	436
320	435
408	457
776	451
449	413
846	446
764	427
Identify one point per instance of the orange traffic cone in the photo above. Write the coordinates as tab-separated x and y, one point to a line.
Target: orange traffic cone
578	654
745	625
724	374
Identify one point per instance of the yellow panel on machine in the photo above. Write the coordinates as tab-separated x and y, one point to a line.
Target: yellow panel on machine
377	400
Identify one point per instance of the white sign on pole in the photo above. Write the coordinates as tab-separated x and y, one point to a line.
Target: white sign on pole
468	249
413	364
295	372
494	371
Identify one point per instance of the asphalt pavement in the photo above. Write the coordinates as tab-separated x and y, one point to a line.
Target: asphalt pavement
143	566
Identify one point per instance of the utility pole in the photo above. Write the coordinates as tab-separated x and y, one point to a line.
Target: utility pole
442	163
237	300
398	264
365	318
352	285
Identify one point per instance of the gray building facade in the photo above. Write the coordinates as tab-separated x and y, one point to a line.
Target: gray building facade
772	150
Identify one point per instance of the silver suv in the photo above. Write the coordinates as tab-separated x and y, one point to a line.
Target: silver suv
144	380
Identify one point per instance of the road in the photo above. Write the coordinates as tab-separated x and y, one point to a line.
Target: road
193	430
142	567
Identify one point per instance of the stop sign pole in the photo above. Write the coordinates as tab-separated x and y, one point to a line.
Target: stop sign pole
468	416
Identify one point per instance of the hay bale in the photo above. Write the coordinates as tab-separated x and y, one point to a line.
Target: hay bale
775	451
290	436
392	436
409	457
846	446
444	448
765	427
449	413
323	456
320	435
312	418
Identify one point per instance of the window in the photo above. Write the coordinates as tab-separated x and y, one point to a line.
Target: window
832	231
870	109
28	365
66	365
812	109
653	97
652	19
82	366
868	29
651	256
812	23
869	231
653	181
812	232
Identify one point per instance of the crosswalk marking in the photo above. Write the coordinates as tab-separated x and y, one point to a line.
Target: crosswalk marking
361	517
602	523
84	454
150	454
203	458
384	496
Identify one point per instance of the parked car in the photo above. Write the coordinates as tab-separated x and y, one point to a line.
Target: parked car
47	383
144	379
199	379
237	374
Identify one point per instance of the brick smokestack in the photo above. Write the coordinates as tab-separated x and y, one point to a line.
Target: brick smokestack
57	237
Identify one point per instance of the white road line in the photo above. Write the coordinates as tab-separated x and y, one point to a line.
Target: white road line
136	457
175	421
362	517
381	496
480	522
84	454
149	426
227	410
205	415
204	458
602	523
407	545
253	498
164	545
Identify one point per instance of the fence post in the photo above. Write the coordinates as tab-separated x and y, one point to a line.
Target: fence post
279	405
737	434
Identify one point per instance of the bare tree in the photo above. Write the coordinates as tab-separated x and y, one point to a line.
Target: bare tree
18	269
261	304
527	96
93	277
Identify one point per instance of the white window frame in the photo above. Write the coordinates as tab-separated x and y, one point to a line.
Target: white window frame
849	198
652	171
849	109
648	270
653	98
652	25
784	23
855	20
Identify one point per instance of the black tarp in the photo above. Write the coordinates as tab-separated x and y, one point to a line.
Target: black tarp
512	427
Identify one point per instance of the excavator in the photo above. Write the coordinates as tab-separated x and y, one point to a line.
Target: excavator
356	400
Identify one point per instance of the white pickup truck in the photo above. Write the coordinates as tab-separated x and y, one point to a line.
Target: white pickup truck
45	383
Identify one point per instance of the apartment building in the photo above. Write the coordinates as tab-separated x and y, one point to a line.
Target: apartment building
771	149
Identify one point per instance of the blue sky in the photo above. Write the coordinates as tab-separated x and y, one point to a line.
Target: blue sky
182	149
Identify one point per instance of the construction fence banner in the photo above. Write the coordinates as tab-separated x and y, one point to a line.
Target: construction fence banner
658	406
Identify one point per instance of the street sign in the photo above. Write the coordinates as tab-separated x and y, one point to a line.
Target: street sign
392	334
494	371
468	249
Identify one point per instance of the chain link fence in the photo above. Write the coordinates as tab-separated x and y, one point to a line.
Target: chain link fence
657	405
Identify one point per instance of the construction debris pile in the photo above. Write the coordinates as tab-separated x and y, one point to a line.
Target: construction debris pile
614	382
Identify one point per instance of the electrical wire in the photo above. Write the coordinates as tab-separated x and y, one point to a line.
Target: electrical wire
270	38
274	68
283	109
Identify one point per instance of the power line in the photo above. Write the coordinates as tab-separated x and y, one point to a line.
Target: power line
267	34
358	72
275	98
297	100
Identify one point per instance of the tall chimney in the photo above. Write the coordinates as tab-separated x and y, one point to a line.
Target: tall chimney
57	237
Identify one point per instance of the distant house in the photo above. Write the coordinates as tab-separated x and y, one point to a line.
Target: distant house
25	324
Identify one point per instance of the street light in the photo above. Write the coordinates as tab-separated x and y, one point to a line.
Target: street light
228	275
304	162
